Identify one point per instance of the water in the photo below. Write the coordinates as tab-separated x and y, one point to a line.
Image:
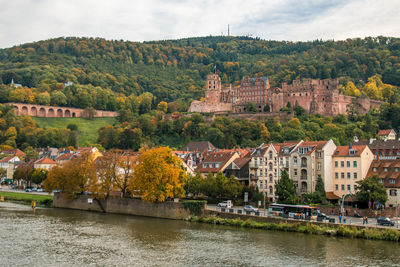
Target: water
57	237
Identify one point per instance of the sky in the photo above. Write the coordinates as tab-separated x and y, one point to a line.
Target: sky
23	21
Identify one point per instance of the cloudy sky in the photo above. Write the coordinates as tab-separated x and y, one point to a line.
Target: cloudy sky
24	21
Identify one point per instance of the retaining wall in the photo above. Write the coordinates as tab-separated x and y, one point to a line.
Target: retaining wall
129	206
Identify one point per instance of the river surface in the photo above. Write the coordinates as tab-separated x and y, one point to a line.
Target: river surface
59	237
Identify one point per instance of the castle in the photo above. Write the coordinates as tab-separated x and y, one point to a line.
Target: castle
314	96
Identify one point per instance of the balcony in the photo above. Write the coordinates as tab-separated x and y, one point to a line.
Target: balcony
303	177
253	177
303	190
303	165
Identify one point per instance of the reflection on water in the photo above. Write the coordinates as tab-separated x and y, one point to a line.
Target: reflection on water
57	237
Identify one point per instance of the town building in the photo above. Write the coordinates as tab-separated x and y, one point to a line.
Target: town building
215	162
239	168
311	160
384	149
388	172
44	163
9	163
388	134
350	165
315	96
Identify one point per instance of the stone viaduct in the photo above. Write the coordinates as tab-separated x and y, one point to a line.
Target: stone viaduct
57	112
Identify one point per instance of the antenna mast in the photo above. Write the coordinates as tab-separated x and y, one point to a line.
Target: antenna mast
228	29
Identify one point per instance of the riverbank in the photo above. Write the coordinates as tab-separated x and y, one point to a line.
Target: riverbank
372	233
41	200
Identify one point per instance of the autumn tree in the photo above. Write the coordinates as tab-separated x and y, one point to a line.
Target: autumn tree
104	181
159	175
123	181
72	178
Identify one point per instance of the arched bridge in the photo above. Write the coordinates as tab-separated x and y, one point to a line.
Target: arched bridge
57	112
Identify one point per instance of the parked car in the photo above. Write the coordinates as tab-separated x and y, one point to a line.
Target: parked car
249	208
34	189
384	221
40	190
225	204
323	216
28	190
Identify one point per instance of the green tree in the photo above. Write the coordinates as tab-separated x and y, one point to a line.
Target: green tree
31	154
286	190
370	189
194	184
251	107
38	176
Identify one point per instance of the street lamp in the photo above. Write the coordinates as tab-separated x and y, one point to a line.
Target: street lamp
369	199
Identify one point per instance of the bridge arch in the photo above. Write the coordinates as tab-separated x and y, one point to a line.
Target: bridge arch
16	110
50	112
59	113
67	113
42	112
33	111
24	110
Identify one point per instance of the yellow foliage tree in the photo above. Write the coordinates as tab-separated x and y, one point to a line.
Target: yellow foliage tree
352	90
159	175
162	106
264	133
295	123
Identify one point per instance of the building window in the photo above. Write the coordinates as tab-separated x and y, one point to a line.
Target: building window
355	187
355	164
261	184
336	175
270	166
270	178
348	175
385	169
348	187
374	169
392	181
271	190
342	175
336	164
342	164
261	172
319	166
270	155
393	192
355	175
342	187
295	172
348	164
336	187
217	165
396	169
319	154
295	161
381	180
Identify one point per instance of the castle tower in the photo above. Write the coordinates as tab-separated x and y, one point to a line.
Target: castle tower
213	88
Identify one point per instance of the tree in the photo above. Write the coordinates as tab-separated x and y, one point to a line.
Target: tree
127	163
318	196
104	181
43	98
58	98
38	176
31	154
159	175
286	190
264	133
72	178
194	184
23	172
162	106
251	107
267	108
3	173
89	113
370	189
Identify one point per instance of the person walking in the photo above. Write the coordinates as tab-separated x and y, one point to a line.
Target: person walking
340	218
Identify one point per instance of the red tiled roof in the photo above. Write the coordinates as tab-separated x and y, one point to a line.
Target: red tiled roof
15	152
240	162
45	161
6	159
221	157
343	151
384	132
65	156
386	169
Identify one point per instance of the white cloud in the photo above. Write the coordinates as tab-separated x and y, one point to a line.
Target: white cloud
139	20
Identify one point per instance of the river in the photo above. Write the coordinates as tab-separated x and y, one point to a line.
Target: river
59	237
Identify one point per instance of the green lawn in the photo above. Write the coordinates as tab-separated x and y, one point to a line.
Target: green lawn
27	198
88	129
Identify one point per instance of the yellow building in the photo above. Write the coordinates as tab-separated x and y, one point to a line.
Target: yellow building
350	165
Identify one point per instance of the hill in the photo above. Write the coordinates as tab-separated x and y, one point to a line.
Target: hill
113	75
88	129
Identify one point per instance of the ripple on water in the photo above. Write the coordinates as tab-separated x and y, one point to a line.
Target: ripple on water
57	237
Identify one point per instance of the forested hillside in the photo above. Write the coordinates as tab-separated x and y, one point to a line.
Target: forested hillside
112	75
146	81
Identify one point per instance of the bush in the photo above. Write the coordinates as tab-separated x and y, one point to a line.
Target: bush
194	206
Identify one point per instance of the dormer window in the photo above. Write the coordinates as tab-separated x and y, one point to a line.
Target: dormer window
392	181
385	169
217	165
374	169
352	152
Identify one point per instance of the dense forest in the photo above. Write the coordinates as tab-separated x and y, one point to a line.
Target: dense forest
145	81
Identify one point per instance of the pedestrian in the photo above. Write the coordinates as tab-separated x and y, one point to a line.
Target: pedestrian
340	218
363	220
366	220
347	213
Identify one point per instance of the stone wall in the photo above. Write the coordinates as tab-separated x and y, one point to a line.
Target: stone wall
129	206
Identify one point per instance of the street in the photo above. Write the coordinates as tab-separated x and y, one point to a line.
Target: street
7	189
348	220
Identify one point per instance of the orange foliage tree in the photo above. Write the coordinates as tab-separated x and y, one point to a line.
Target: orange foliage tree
73	177
159	175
